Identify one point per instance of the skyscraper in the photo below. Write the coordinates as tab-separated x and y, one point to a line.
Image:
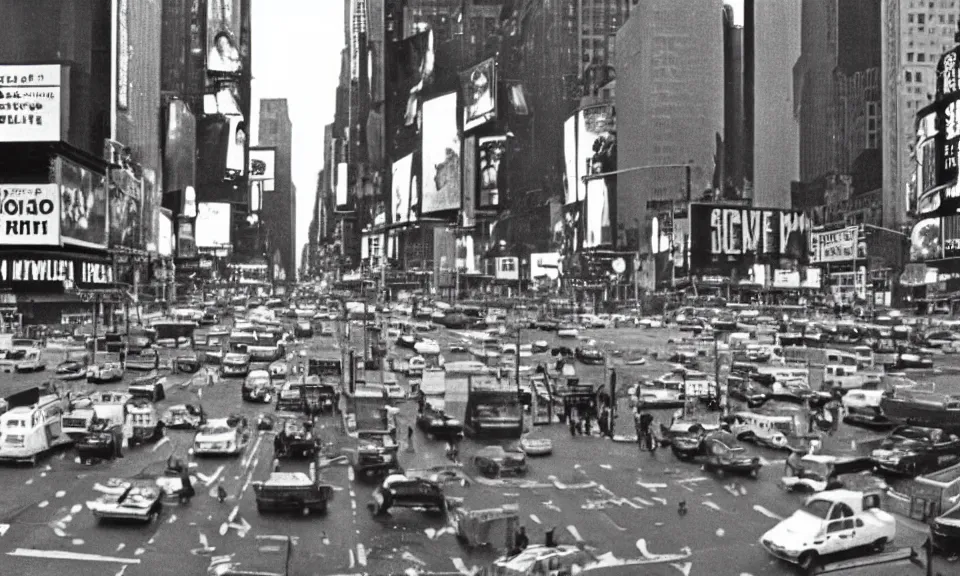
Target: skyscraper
279	206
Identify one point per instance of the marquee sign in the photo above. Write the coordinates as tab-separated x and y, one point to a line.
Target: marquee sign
44	271
724	237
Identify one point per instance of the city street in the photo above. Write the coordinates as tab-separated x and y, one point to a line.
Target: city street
607	495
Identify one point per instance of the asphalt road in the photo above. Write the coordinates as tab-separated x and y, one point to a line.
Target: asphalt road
608	495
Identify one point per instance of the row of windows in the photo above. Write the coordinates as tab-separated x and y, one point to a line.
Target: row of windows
913	76
922	19
932	5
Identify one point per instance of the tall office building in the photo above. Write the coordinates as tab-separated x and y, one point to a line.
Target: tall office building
915	33
669	99
279	206
734	123
771	47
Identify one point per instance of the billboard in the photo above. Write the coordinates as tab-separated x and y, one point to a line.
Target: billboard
926	157
489	156
834	246
223	35
263	166
150	209
414	74
508	268
597	229
31	271
404	203
545	264
470	180
213	142
342	183
236	148
83	205
728	237
926	240
165	235
440	188
594	124
213	225
29	215
126	195
570	160
786	279
31	103
480	94
179	148
444	257
186	244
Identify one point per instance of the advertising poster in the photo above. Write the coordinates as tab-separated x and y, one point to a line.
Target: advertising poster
508	268
30	271
593	124
723	238
571	179
342	183
925	240
834	246
263	166
597	229
948	115
470	179
440	189
444	257
414	74
480	94
29	215
213	142
213	225
150	209
546	264
223	34
467	259
518	98
125	193
236	148
83	206
786	279
950	229
186	244
31	100
404	207
490	155
165	235
180	145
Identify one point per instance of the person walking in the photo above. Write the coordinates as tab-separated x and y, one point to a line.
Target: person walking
645	434
520	541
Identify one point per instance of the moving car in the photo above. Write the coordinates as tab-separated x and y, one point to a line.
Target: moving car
148	359
257	387
438	424
828	524
717	452
145	424
376	453
590	356
292	492
296	439
74	366
100	442
279	370
819	472
222	436
184	417
135	500
862	408
402	491
235	364
495	461
914	450
394	391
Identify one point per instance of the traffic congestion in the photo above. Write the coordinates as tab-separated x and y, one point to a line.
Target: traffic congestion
342	436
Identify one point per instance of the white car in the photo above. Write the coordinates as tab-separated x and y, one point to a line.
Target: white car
829	523
427	346
395	392
33	361
228	436
105	372
650	323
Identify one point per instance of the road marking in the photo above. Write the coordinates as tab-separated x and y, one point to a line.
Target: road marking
121	546
172	519
642	501
122	570
77	542
60	493
606	467
65	555
660	500
353	560
767	513
29	481
361	555
683	568
350	475
43	504
653	487
696	479
721	532
535	519
208	480
549	505
712	505
575	533
76	508
3	529
162	441
139	551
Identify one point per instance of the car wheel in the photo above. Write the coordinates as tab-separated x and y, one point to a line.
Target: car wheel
754	473
879	545
808	561
153	517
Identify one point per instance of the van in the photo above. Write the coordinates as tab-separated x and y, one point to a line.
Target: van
26	432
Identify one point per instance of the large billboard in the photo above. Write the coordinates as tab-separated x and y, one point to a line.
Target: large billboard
165	241
223	37
150	210
31	102
926	156
404	202
34	271
480	94
126	196
263	166
180	146
834	246
507	268
594	124
489	156
597	230
83	205
236	162
29	215
926	240
570	161
342	184
213	142
414	74
440	189
470	179
213	225
545	264
444	257
723	238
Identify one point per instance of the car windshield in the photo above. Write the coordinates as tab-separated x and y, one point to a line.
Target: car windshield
212	430
818	508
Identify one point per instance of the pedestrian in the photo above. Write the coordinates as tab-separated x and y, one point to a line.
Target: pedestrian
645	437
520	541
579	426
572	422
410	437
793	465
586	425
833	406
221	492
548	538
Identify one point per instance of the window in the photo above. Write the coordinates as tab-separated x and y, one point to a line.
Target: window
921	19
919	77
910	18
909	76
909	56
921	57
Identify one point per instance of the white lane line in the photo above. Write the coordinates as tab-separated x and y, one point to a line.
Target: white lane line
77	542
4	528
65	555
684	568
361	555
662	501
575	533
353	504
350	475
29	481
162	441
712	505
76	508
211	479
172	519
353	560
767	513
535	519
60	493
122	570
43	504
139	551
256	446
121	546
643	501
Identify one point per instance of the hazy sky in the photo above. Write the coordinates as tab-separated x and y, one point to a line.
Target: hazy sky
296	55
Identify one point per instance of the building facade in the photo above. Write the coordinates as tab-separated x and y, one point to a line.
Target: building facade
279	206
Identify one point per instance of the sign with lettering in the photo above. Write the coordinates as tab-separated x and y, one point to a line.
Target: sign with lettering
30	103
29	215
723	238
834	246
42	271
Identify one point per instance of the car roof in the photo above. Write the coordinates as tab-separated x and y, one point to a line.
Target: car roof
258	374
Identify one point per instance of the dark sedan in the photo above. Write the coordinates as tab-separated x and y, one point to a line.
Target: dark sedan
914	450
439	424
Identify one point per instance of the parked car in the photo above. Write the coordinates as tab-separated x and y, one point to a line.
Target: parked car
398	490
495	461
184	417
914	450
150	387
188	362
376	453
828	524
100	442
135	501
819	472
297	439
105	372
439	424
235	364
74	366
718	452
536	446
222	436
258	387
32	361
148	359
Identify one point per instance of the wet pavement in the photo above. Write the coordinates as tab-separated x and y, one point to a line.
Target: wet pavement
605	494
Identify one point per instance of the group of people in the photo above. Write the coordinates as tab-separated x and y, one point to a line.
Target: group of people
521	540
